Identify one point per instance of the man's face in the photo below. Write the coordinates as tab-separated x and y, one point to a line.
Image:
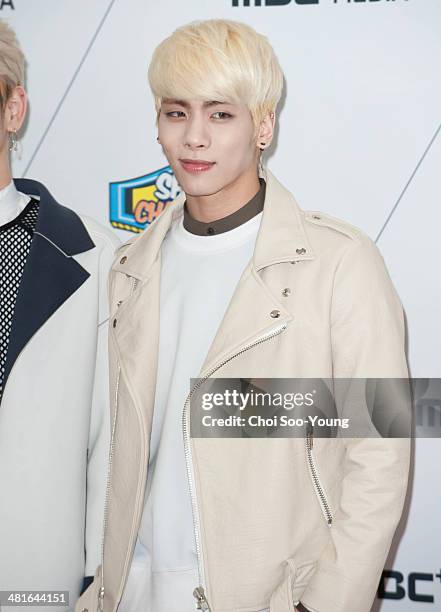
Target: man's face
219	133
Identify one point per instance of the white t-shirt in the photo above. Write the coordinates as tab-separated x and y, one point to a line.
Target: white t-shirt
198	278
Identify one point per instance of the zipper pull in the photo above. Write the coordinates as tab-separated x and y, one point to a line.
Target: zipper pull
310	434
101	599
202	603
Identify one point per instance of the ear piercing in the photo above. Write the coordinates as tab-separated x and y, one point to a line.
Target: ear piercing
262	146
13	141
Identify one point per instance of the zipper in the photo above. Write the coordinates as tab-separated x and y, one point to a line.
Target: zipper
324	504
109	472
106	503
199	592
202	603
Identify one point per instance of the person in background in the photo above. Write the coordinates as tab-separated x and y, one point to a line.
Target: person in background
54	423
229	524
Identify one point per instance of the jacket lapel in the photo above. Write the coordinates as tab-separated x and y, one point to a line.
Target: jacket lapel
247	318
253	306
50	275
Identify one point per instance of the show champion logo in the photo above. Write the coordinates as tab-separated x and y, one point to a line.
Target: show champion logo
136	203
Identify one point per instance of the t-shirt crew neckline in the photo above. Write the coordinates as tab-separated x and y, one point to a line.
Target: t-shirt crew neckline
217	242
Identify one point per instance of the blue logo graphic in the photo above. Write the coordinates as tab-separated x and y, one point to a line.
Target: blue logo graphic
136	203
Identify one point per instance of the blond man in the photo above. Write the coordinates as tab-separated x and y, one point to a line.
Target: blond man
210	290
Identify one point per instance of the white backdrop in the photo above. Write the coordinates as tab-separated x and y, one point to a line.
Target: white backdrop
358	138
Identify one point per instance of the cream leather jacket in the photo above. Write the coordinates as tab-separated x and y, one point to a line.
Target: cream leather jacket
276	520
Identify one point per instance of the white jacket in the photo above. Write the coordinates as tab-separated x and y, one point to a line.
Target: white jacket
54	414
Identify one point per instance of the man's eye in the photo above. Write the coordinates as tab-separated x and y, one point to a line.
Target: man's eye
174	113
224	115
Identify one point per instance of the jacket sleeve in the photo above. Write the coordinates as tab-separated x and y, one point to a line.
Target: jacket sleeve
368	341
99	429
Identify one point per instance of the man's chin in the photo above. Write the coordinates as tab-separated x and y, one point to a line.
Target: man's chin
200	186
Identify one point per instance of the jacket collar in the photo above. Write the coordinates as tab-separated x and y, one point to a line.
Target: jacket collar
51	275
53	219
281	236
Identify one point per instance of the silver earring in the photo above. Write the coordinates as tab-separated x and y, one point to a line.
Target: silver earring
13	141
262	146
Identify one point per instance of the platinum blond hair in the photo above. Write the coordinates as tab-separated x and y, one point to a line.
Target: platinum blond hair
217	59
12	63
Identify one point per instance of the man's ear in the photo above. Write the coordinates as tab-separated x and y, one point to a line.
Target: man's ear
266	130
15	110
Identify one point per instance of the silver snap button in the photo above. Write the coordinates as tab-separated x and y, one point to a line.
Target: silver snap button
275	314
123	260
301	251
286	291
119	302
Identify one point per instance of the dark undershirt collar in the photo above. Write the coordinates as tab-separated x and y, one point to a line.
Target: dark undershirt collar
218	226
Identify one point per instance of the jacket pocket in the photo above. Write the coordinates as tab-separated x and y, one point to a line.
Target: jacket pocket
294	582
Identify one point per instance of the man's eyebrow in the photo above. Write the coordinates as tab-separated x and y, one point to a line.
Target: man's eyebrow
185	104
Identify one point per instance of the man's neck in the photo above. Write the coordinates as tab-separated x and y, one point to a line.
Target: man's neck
5	175
224	202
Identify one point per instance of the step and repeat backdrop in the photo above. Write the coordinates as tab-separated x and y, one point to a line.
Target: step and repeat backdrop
358	137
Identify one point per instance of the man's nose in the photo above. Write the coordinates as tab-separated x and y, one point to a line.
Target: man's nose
196	134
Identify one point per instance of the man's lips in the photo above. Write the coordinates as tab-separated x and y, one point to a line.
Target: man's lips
196	165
